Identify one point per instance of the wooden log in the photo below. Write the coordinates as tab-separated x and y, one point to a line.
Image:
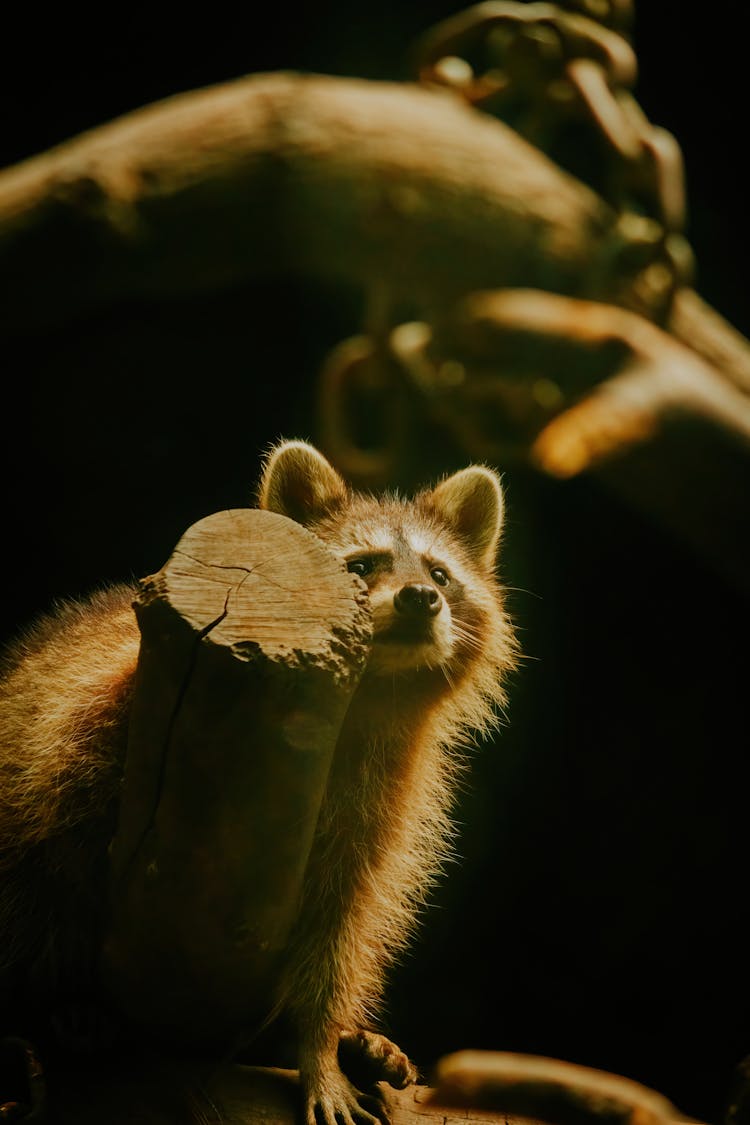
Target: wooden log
253	638
492	1088
164	1092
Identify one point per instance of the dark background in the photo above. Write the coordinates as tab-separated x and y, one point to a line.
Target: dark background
600	911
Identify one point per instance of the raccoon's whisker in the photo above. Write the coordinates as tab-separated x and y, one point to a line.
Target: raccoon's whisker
458	623
448	677
467	636
464	629
523	590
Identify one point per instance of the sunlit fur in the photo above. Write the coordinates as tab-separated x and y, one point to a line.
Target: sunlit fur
64	698
385	827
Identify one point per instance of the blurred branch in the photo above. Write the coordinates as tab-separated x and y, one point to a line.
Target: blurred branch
412	193
583	387
371	182
286	173
544	1089
625	377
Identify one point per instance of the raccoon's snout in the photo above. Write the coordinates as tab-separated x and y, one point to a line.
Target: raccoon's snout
417	599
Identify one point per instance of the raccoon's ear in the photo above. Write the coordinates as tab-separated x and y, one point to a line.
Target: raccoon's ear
298	482
471	503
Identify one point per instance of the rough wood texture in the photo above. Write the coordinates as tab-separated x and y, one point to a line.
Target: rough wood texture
253	640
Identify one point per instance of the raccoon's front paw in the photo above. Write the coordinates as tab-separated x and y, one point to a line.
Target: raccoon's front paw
330	1099
367	1057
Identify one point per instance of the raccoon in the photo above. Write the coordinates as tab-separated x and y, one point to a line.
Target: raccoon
442	648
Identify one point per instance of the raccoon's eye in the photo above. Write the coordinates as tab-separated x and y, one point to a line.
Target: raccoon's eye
439	576
362	567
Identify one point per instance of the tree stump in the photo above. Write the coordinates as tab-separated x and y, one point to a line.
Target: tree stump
253	639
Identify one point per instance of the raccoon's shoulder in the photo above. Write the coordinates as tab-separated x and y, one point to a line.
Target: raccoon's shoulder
103	619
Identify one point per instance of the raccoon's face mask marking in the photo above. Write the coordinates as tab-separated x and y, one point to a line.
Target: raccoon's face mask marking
427	563
411	616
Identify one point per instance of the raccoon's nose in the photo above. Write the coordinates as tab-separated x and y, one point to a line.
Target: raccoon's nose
417	599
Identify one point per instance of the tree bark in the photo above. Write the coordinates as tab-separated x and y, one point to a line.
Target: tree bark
253	638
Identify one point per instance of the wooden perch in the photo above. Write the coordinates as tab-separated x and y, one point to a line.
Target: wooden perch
253	638
493	1088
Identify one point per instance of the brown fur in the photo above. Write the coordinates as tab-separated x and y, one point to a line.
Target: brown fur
64	698
385	825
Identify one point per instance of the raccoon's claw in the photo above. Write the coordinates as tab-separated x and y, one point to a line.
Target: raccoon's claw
367	1057
332	1100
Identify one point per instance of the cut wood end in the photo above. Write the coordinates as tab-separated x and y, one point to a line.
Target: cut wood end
259	584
